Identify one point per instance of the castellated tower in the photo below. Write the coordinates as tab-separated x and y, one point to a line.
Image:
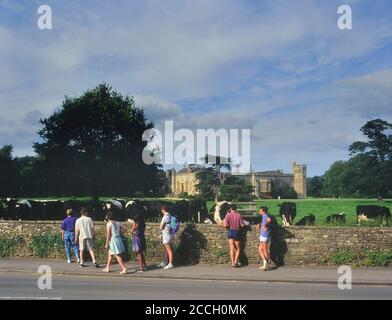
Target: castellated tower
299	172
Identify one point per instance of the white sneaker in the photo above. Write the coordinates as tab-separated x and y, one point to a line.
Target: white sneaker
169	266
161	265
68	260
78	261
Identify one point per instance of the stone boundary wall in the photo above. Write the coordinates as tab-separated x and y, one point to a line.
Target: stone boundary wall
200	243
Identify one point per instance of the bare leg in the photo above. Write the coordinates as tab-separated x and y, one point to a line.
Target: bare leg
237	251
232	251
92	255
109	261
169	251
121	262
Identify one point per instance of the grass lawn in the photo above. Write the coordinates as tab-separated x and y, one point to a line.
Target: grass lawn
321	208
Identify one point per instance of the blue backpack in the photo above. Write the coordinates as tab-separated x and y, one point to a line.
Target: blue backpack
174	225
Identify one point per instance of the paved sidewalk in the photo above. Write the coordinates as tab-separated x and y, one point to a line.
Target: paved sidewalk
285	274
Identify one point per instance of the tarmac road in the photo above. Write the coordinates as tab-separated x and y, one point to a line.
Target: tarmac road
24	286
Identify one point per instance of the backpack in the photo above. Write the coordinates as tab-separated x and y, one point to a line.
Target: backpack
174	225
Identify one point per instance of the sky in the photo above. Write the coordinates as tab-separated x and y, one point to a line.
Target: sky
282	69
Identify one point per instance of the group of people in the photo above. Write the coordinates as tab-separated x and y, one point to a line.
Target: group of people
78	233
234	223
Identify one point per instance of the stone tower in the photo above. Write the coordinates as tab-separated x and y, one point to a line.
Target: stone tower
299	172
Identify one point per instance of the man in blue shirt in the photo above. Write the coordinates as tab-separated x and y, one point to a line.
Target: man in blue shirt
264	229
68	235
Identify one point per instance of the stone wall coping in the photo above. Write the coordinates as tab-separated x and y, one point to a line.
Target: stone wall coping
51	222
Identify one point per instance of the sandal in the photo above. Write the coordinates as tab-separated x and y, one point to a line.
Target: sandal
105	270
124	272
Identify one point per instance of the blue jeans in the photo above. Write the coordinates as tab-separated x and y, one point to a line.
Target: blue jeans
69	239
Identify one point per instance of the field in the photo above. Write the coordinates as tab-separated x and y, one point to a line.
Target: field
321	208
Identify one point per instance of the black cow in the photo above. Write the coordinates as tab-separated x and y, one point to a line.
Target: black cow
2	211
367	212
9	208
308	220
24	209
287	211
339	218
49	210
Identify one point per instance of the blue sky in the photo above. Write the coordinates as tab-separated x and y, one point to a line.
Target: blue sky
281	68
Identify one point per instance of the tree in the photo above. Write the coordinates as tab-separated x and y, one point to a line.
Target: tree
283	190
379	143
93	145
8	172
216	164
314	186
236	189
208	183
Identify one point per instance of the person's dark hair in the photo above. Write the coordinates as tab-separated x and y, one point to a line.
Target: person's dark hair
165	207
110	215
233	207
84	211
265	209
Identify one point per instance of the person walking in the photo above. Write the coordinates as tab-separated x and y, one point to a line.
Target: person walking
139	240
167	238
264	229
233	222
84	235
114	243
68	235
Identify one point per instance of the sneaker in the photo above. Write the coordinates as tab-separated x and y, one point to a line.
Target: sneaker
266	266
161	265
261	268
68	260
78	260
169	266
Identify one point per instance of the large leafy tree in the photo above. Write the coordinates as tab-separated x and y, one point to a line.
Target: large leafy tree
93	145
236	189
8	172
213	176
314	186
379	144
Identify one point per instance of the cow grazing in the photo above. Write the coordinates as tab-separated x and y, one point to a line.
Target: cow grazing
287	211
220	211
132	208
24	209
2	211
308	220
372	212
114	205
339	218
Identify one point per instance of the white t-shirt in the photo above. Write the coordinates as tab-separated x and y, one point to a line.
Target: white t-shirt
85	226
166	219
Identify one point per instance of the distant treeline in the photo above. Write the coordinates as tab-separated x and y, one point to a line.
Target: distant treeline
367	174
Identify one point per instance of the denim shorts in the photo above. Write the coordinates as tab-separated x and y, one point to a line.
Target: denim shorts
234	234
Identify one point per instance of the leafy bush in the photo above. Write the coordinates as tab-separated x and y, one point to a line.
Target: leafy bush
378	258
7	246
344	257
44	245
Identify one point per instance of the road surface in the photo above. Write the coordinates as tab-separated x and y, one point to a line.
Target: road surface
24	286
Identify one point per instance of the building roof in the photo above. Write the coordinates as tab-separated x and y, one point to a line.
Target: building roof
190	169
